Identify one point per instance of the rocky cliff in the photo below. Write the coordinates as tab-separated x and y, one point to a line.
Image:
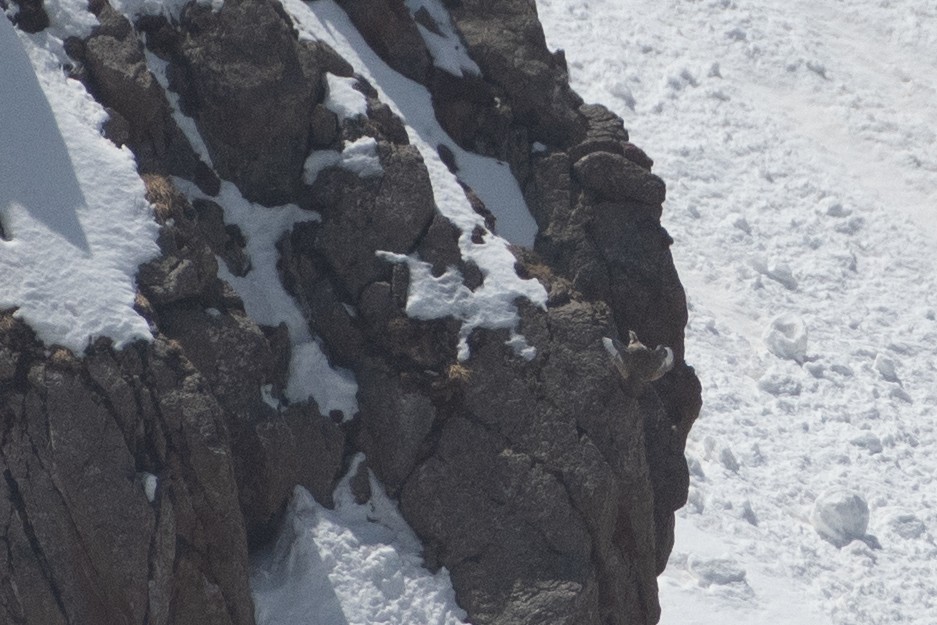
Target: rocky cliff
136	481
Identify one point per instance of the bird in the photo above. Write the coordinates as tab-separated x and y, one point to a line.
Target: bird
637	363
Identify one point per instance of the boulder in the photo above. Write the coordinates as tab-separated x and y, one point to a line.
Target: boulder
615	178
361	216
241	75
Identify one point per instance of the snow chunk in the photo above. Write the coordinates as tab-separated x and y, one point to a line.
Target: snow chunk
343	99
778	382
72	206
840	516
358	563
868	441
727	458
311	375
779	272
886	368
68	18
266	394
786	337
718	571
444	45
908	526
359	157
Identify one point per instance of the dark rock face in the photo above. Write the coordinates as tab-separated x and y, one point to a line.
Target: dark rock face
252	103
85	545
31	15
549	517
362	216
116	72
505	39
550	502
387	27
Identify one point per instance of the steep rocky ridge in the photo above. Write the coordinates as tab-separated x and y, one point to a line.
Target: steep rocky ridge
545	486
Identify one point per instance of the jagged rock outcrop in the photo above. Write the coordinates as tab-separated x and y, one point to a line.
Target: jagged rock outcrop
549	502
82	440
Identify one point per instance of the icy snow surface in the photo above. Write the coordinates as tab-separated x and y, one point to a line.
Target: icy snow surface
354	565
798	141
492	304
71	204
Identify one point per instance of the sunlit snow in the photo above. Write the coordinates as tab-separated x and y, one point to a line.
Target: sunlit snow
72	206
798	143
353	565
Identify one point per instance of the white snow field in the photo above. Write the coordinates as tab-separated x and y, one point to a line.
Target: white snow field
75	221
798	143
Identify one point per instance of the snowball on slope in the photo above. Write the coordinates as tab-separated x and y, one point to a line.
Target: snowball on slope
840	516
71	203
786	337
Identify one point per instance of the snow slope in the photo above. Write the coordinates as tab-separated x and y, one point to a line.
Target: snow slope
75	221
356	564
797	140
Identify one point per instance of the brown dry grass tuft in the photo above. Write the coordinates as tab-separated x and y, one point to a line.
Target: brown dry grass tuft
161	193
458	372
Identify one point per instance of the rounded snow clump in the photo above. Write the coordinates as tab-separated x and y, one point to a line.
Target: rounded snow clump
840	516
718	571
786	337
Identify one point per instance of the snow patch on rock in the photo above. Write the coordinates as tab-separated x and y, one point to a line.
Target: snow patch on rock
268	303
359	157
444	45
72	207
492	304
343	99
354	564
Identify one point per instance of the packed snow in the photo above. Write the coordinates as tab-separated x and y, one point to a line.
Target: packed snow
353	565
798	142
75	221
492	304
